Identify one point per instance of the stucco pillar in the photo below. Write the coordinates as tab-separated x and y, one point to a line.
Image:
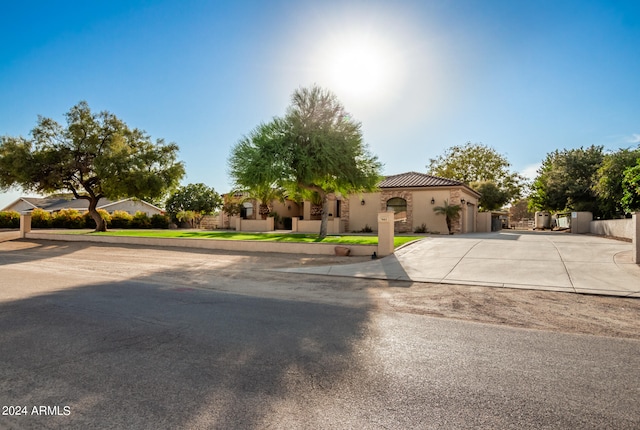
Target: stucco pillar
636	237
385	233
25	225
238	223
294	223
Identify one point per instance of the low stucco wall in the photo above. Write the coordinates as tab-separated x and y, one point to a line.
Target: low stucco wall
257	225
483	222
334	226
225	245
9	235
613	227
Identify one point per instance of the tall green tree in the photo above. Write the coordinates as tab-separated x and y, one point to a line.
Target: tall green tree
315	148
198	199
608	185
492	197
95	155
631	188
565	181
478	164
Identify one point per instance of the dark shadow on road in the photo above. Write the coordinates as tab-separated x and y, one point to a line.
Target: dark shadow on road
150	353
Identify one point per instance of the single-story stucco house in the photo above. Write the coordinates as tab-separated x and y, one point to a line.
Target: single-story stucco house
411	195
55	204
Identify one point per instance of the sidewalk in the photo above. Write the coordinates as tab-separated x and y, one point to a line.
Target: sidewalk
553	261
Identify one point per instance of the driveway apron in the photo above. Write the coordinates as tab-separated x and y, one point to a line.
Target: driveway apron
554	261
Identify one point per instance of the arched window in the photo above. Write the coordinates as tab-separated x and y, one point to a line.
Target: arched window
247	210
398	205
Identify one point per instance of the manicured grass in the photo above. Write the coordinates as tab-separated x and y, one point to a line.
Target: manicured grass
274	237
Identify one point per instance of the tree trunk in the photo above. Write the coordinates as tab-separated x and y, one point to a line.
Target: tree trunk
325	216
101	225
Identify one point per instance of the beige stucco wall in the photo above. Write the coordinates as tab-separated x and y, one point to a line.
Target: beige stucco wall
419	209
227	245
360	215
334	226
613	227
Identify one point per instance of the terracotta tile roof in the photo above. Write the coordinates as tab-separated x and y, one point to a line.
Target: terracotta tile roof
416	180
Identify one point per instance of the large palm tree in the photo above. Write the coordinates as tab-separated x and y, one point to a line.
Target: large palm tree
450	212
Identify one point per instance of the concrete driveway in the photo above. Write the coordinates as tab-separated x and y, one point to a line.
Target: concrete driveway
554	261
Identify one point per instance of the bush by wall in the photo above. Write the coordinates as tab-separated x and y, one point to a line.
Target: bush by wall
120	219
9	219
140	220
40	218
68	218
160	221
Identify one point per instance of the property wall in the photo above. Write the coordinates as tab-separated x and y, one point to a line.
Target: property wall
255	225
228	245
613	227
334	226
483	222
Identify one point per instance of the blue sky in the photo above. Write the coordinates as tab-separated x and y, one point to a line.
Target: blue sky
525	77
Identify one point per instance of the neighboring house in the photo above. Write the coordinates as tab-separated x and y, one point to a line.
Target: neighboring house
53	205
412	196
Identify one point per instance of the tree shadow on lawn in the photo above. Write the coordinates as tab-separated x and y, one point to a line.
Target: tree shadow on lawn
147	354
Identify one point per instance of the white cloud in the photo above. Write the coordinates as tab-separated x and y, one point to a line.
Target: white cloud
635	138
531	171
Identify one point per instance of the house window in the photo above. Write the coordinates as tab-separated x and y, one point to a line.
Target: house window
399	207
397	204
246	212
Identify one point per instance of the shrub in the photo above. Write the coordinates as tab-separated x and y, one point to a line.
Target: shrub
9	219
40	218
120	219
366	229
90	223
421	229
140	220
160	221
68	218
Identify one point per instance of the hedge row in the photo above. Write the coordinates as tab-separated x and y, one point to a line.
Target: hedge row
71	218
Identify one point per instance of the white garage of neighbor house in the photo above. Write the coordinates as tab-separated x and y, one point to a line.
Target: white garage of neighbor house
55	204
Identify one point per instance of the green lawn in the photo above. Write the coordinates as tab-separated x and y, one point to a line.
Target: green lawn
275	237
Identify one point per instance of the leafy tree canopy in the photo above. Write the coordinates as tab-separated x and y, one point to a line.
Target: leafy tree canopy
478	163
609	183
315	148
96	155
565	181
193	197
631	187
491	196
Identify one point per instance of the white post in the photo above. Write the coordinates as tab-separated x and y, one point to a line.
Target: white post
25	225
385	233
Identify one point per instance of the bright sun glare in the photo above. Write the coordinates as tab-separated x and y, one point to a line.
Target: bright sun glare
360	67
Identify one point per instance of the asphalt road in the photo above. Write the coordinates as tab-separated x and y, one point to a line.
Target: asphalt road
126	337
